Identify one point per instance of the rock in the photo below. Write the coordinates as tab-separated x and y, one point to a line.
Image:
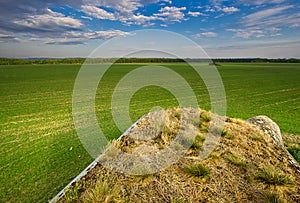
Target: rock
273	130
269	127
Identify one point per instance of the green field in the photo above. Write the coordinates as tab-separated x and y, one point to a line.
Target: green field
40	151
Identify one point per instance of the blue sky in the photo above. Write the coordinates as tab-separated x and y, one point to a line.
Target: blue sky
66	28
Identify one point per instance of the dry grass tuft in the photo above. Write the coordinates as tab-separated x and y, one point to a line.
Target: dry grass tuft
205	116
256	137
236	160
198	142
103	192
198	170
273	176
273	197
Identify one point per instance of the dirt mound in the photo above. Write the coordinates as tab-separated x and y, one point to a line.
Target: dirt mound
246	165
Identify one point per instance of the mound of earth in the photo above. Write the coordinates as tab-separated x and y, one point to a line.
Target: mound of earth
248	163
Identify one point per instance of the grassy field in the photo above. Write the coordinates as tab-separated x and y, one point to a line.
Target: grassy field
40	151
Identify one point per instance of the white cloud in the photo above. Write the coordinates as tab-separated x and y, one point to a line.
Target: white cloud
219	16
230	9
265	13
168	1
196	14
209	9
171	13
217	6
86	17
96	34
246	34
63	42
98	12
294	25
149	25
287	48
255	32
105	34
272	18
274	31
78	38
260	2
205	34
123	6
6	38
167	14
51	21
140	19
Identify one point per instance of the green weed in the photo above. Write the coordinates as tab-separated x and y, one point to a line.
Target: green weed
236	160
256	137
103	191
273	197
198	170
273	176
72	193
205	117
177	115
295	152
198	142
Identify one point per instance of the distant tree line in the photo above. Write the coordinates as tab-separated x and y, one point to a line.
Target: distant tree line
15	61
257	60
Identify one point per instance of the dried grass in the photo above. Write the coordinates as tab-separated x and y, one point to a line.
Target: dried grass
225	183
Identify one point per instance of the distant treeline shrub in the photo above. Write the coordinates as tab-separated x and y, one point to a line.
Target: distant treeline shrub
37	61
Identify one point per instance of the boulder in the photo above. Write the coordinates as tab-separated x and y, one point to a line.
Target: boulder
272	129
269	127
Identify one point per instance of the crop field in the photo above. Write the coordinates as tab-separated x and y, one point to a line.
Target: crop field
40	151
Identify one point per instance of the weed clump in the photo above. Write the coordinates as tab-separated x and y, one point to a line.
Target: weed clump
273	197
177	115
205	117
236	160
72	193
295	152
198	142
198	170
103	192
256	137
272	176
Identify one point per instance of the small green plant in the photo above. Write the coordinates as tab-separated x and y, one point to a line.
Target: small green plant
177	115
219	131
236	160
205	117
198	142
72	193
256	137
273	197
167	131
196	122
295	152
204	128
179	201
214	155
273	176
104	191
198	170
224	133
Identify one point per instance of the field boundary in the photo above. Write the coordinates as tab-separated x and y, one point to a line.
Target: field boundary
90	167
